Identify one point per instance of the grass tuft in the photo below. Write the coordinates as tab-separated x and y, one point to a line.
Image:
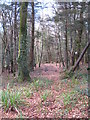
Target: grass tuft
10	98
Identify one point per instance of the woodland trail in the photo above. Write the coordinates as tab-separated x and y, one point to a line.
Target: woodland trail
50	71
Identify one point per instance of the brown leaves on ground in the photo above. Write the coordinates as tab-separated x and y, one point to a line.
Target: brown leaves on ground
50	71
53	106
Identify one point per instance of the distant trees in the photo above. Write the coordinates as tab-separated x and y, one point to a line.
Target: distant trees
29	38
7	39
73	18
10	20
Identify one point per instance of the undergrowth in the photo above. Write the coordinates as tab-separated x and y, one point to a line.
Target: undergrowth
41	83
78	85
10	98
45	95
70	97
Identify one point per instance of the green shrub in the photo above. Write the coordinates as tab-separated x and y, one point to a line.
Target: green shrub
10	98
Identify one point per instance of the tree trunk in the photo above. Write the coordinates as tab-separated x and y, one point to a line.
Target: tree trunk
8	58
73	55
60	52
4	42
3	55
66	49
89	50
22	59
80	34
15	37
81	56
71	40
2	58
41	51
11	52
32	41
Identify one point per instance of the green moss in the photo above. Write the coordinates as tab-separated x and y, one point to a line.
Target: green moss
22	57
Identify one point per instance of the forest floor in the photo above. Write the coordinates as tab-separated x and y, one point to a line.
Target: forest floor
50	95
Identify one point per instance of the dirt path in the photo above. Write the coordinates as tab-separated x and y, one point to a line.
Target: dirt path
50	71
